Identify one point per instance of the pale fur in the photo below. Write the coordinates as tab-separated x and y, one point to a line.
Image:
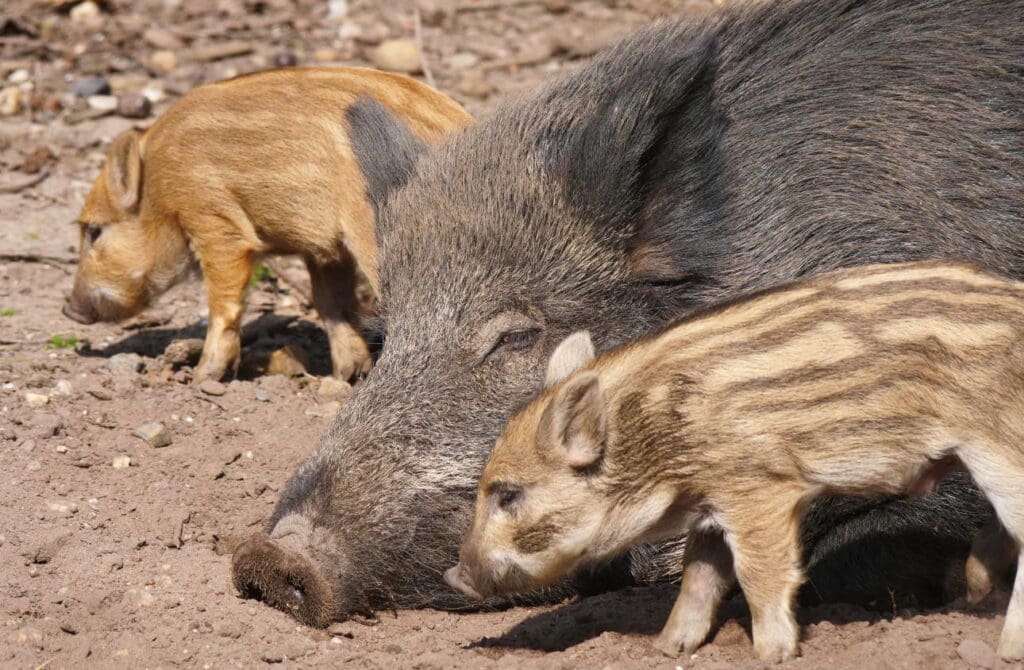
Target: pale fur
877	380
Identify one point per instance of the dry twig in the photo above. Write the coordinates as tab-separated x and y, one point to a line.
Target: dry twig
19	185
488	6
418	36
53	261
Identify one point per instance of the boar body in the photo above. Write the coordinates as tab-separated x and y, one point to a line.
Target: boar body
689	164
866	382
254	165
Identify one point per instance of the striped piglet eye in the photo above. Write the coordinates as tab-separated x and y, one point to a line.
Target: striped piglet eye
92	233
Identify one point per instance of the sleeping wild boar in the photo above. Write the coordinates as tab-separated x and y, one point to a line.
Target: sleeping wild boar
691	163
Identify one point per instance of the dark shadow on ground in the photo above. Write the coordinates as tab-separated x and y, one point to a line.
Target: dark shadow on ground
644	610
260	336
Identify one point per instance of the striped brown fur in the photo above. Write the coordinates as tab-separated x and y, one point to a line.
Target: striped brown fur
876	380
255	165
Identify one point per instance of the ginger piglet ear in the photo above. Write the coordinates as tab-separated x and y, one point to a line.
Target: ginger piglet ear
574	422
124	171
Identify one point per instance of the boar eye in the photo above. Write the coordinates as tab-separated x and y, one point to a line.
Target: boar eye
515	340
508	496
93	233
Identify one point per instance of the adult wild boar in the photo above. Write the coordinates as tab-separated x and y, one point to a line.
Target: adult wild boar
691	163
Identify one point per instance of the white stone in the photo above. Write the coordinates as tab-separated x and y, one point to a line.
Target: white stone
102	103
37	399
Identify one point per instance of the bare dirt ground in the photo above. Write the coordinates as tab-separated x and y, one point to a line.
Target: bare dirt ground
116	553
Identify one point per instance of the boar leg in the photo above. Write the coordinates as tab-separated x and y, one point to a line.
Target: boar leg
992	556
707	577
227	264
334	296
999	474
763	531
1011	640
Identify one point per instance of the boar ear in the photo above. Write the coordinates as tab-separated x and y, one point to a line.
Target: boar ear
575	421
385	148
648	152
572	354
124	171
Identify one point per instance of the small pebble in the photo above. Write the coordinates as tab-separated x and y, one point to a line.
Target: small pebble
432	12
334	388
463	61
61	508
62	387
84	12
19	76
326	55
61	449
39	158
337	9
350	30
327	409
102	103
183	352
99	393
285	59
262	397
220	51
121	462
37	399
154	92
397	56
977	653
163	61
154	433
26	637
132	105
125	364
475	85
11	100
162	38
94	85
212	387
119	83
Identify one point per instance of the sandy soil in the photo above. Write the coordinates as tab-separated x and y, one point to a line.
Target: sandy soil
104	566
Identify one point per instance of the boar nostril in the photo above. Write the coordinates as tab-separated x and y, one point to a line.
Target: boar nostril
298	593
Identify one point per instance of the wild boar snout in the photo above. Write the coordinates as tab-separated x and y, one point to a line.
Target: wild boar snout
264	570
78	311
458	578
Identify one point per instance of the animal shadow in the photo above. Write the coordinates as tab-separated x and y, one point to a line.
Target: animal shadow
260	336
642	611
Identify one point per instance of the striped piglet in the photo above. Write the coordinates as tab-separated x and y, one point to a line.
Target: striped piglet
724	426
